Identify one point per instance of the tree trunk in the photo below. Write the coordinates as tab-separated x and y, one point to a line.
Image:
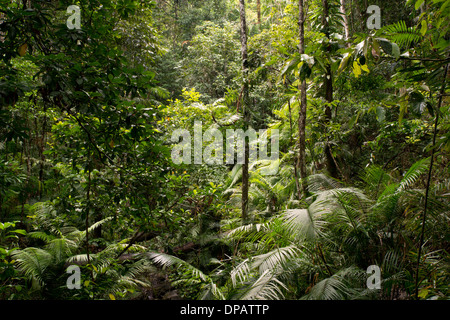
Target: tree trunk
245	106
301	164
430	170
344	15
328	81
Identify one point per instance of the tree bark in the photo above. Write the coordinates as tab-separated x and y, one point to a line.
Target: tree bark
301	164
345	19
245	106
328	81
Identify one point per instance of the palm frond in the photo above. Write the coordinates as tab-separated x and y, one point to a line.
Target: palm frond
414	172
375	179
166	260
320	182
33	262
337	287
305	224
60	249
265	287
94	226
41	235
234	176
402	35
240	273
276	259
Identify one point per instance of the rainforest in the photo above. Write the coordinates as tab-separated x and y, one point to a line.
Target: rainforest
224	150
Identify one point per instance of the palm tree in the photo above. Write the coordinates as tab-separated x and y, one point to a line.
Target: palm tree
324	250
45	267
344	230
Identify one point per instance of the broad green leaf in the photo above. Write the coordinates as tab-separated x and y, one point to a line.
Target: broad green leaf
423	293
290	64
344	62
395	50
356	69
424	28
418	4
365	68
390	48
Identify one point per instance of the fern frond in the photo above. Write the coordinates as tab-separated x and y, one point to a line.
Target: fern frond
41	235
402	35
60	249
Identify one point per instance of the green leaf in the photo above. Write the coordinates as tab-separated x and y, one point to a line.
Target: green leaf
344	62
356	69
389	48
423	293
353	120
424	27
395	50
417	103
380	113
365	68
418	4
20	231
290	64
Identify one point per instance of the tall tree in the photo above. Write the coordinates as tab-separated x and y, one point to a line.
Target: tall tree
245	106
301	164
344	20
328	82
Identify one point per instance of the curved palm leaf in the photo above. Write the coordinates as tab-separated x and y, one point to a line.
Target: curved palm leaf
33	262
265	287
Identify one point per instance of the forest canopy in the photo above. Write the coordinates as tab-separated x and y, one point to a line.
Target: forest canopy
224	149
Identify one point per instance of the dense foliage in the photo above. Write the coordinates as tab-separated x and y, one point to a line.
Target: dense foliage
87	176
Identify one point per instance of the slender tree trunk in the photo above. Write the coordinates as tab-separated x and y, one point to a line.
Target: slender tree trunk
430	170
345	19
328	81
88	208
301	164
245	106
41	154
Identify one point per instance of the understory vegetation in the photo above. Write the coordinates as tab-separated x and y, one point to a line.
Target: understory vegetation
87	177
